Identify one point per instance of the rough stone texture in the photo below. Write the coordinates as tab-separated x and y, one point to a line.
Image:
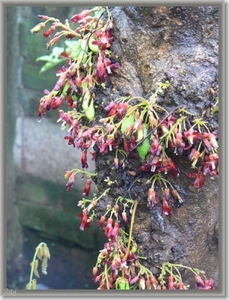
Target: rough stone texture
179	44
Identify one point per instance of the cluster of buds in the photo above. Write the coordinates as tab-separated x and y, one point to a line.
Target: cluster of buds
167	194
170	278
88	63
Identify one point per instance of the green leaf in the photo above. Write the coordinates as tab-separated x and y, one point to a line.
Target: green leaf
50	65
51	60
143	149
145	146
90	112
127	122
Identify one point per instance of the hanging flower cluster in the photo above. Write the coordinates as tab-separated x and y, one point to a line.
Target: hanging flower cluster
88	62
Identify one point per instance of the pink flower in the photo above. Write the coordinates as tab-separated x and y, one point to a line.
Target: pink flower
49	31
70	181
87	188
191	135
199	181
84	159
151	200
165	207
105	39
208	284
101	221
80	16
109	228
85	223
211	164
115	232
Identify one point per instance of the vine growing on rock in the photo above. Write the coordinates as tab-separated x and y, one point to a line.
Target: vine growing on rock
128	128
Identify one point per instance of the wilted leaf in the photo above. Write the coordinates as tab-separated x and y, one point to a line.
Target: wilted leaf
44	266
40	251
32	285
34	266
46	251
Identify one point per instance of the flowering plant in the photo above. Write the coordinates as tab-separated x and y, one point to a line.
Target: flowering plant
132	128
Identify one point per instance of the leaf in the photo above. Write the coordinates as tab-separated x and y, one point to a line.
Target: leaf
46	251
50	65
40	252
34	265
44	266
74	49
52	60
127	122
90	112
32	285
143	149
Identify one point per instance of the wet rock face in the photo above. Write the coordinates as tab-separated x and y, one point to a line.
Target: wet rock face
179	44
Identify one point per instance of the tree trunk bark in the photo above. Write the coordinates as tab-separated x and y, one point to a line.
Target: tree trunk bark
179	45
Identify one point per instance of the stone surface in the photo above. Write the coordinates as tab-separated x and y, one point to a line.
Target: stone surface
41	151
48	208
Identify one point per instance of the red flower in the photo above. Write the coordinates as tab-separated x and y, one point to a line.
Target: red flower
84	159
115	232
70	140
87	187
208	284
43	17
181	286
100	73
105	39
210	165
85	223
109	228
124	217
194	156
151	200
191	135
104	67
101	221
145	167
56	102
70	182
155	146
167	194
49	31
199	178
165	207
199	182
171	283
80	16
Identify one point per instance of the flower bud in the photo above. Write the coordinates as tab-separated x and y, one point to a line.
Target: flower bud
171	283
142	284
49	31
101	221
122	284
37	28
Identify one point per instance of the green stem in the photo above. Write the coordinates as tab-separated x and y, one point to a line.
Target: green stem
131	228
32	266
106	277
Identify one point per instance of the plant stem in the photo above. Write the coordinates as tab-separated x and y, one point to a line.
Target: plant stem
131	228
32	266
